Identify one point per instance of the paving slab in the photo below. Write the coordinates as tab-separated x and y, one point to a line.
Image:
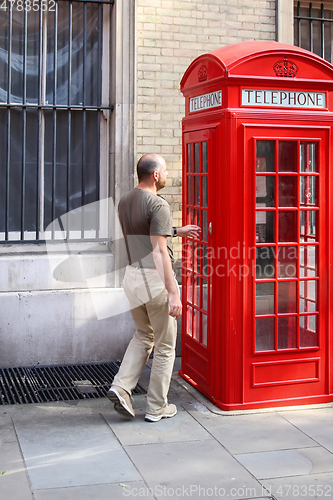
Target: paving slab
14	482
252	433
65	450
116	491
198	469
283	463
182	427
298	487
7	431
316	423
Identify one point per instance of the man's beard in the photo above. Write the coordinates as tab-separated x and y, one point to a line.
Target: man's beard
160	184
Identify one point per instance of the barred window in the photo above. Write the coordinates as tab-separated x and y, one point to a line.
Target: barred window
51	111
313	28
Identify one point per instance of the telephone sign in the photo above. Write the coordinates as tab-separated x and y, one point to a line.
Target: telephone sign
283	98
206	101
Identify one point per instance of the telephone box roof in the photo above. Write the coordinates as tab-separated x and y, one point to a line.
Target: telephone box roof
242	60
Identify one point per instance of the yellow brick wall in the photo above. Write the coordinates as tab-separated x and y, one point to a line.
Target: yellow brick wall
170	34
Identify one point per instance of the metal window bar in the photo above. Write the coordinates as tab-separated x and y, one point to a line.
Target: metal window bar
99	98
40	155
9	83
41	105
84	120
322	32
311	27
297	20
322	19
24	124
69	115
54	144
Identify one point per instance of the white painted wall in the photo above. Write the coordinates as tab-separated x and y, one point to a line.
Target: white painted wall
61	327
60	309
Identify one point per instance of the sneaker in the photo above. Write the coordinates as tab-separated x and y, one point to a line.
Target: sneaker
121	400
168	412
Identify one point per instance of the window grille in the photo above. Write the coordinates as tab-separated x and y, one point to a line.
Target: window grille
51	108
313	28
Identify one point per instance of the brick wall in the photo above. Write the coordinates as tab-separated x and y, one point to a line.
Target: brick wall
170	34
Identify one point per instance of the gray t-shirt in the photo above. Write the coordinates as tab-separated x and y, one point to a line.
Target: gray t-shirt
142	214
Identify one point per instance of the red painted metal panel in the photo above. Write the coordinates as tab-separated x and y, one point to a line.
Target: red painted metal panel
291	371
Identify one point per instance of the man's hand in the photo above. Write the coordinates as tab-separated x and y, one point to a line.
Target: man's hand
189	231
175	305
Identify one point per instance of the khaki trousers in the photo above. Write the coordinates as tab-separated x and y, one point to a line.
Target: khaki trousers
148	299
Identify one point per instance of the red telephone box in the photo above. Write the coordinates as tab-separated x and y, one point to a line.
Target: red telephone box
257	171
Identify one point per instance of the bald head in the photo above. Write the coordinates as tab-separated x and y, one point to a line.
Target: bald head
147	165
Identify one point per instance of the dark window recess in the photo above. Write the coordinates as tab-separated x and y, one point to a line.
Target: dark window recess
313	29
50	113
43	384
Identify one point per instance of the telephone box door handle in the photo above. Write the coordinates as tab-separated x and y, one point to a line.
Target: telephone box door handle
210	228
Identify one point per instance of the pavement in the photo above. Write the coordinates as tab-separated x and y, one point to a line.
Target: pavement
82	450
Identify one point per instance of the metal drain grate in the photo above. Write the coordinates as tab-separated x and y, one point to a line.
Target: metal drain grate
43	384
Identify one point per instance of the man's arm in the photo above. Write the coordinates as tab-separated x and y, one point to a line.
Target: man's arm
189	231
164	267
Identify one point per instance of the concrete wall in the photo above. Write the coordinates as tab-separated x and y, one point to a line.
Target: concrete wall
285	21
61	327
61	309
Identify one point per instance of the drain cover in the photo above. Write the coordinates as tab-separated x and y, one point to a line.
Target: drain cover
43	384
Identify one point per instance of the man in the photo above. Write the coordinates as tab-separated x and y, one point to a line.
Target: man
151	289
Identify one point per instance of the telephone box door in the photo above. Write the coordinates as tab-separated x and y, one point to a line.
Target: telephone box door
196	280
286	322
